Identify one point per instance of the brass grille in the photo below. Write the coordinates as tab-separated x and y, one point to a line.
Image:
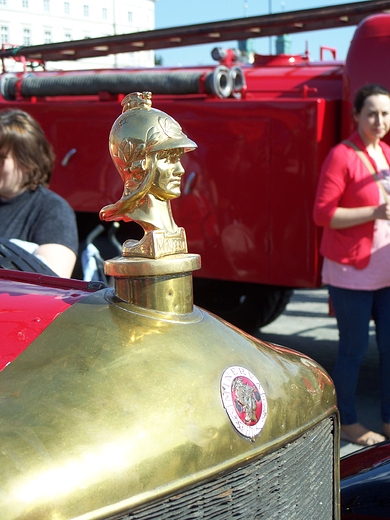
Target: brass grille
294	482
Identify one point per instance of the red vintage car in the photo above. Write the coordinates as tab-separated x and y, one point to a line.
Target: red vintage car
113	410
118	407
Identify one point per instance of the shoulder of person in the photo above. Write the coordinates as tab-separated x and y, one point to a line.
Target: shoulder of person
50	197
340	154
49	210
344	149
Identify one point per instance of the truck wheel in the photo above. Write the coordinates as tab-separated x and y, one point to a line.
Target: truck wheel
18	259
246	305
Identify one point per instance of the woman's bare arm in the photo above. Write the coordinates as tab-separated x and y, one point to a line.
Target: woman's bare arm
59	258
348	217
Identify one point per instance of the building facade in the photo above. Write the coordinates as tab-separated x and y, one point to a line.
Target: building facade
33	22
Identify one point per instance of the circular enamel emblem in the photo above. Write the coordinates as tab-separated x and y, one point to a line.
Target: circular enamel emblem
244	400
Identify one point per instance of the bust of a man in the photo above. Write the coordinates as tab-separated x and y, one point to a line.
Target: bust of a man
146	146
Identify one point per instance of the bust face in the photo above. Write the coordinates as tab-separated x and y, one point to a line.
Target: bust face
168	176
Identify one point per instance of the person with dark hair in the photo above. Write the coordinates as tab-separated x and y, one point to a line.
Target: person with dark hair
352	205
34	217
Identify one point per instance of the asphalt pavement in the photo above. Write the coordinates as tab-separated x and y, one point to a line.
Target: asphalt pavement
306	326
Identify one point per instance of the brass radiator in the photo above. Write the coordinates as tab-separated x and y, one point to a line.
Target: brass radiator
294	482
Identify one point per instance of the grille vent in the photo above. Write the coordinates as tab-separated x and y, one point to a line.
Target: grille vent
293	483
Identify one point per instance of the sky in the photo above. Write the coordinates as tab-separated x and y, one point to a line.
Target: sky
174	13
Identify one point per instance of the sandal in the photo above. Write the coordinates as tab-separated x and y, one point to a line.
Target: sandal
358	434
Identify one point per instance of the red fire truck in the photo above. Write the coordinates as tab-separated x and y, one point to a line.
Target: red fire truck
262	130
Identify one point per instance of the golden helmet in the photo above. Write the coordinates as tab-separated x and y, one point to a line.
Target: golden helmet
141	130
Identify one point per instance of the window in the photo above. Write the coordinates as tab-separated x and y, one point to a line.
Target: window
86	10
46	5
104	13
66	8
26	37
129	16
4	34
47	37
25	4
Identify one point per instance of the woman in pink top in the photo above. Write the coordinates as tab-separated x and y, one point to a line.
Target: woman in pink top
355	213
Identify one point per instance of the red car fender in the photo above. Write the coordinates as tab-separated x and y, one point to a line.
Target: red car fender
29	302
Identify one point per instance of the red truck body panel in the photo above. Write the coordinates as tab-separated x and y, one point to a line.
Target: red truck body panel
254	173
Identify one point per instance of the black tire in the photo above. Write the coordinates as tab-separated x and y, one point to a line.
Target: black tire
245	305
18	259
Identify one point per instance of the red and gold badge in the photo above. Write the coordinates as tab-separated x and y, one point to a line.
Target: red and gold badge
244	400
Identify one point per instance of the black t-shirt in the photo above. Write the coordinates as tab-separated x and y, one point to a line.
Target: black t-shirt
39	216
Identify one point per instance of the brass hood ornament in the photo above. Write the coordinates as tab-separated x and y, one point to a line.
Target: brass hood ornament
146	146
